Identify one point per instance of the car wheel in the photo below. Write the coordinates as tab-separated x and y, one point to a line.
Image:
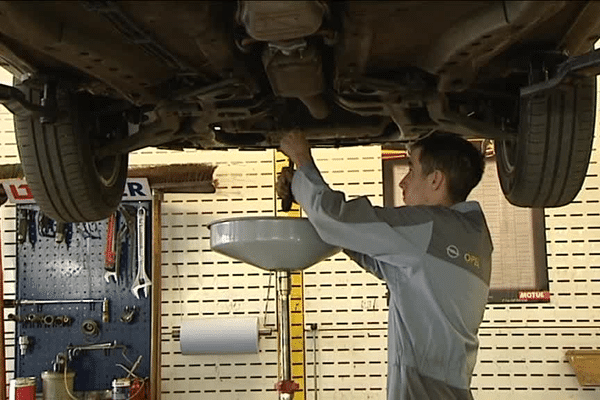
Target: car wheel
546	164
67	180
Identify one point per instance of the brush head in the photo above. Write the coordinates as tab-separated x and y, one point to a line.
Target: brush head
178	178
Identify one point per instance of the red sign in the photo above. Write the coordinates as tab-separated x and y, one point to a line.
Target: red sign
534	295
18	191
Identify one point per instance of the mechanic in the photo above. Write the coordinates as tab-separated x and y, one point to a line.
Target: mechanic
434	255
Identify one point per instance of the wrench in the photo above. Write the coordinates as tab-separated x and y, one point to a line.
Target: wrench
114	270
73	351
128	213
119	247
110	253
141	280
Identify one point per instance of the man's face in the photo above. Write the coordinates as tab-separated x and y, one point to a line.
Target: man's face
415	185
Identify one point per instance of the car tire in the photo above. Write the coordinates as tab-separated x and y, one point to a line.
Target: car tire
67	180
546	164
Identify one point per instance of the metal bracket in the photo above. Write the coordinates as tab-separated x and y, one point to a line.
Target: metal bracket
454	122
573	68
14	100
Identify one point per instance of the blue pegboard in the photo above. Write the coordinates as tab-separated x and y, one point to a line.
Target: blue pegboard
74	270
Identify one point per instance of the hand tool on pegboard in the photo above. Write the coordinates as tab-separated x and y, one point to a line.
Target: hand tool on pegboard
141	280
48	319
129	214
22	225
32	226
74	351
128	314
12	303
60	232
105	310
88	231
119	247
64	233
64	319
46	225
110	255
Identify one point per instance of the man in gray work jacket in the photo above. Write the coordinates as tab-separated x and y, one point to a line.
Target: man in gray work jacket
434	254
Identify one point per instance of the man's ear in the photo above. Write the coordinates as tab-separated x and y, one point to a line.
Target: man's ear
437	179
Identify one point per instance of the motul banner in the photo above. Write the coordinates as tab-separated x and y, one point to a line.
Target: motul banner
534	295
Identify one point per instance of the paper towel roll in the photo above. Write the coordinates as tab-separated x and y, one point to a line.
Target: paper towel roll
219	336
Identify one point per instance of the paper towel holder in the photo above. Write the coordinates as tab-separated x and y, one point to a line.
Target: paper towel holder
176	333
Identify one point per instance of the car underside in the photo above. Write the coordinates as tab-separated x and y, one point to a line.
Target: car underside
240	74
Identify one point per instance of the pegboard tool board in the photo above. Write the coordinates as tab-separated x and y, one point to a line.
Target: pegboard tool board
69	277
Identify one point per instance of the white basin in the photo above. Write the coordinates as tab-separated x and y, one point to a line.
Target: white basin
271	243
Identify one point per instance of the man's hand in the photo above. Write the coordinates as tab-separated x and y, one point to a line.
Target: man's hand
296	147
284	183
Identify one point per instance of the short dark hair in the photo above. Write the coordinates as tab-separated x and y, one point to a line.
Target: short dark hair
457	158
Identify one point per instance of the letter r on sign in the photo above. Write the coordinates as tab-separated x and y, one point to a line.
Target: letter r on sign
135	189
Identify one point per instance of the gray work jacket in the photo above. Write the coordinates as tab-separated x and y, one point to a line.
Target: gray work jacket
436	262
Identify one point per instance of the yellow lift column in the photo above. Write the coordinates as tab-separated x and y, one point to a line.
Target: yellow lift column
296	296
